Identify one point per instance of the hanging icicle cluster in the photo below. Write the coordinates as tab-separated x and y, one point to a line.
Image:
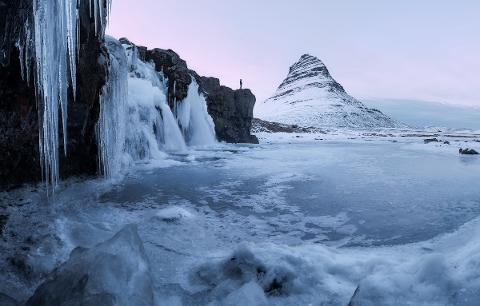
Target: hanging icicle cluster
55	45
52	43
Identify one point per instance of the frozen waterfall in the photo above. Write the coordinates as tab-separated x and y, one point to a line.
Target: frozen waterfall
136	122
113	102
193	117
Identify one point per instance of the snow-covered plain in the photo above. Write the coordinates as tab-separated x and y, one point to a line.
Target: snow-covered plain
301	219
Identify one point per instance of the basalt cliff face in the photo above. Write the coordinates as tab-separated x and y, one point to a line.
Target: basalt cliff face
19	109
231	110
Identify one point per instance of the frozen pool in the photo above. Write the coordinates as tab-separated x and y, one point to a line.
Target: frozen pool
350	193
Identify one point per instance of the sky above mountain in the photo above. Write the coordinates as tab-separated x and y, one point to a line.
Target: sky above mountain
409	49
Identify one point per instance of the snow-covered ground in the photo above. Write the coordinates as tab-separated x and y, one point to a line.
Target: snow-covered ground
301	219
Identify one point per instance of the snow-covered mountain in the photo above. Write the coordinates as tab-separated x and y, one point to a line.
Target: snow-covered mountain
309	96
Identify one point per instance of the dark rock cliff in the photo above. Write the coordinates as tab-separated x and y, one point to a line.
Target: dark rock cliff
19	157
231	110
19	149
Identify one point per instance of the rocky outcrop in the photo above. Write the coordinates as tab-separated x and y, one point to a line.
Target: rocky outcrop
18	114
429	140
467	151
231	110
19	127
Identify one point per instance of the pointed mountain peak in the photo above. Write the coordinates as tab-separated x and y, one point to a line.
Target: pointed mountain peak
310	59
307	57
308	69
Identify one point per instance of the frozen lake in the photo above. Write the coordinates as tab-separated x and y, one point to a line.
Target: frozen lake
358	194
361	208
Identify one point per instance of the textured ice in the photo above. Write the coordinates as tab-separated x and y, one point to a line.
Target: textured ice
193	117
115	272
279	224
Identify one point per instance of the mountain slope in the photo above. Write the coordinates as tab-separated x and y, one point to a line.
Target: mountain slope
309	96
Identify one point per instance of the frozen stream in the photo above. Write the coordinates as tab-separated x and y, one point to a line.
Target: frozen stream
325	217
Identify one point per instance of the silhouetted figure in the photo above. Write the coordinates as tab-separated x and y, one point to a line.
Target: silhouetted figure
241	83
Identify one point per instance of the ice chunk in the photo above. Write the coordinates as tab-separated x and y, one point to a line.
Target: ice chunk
115	272
174	214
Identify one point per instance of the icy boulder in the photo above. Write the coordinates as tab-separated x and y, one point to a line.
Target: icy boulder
243	279
115	272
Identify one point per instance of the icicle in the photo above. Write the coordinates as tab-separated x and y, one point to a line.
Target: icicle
113	105
55	45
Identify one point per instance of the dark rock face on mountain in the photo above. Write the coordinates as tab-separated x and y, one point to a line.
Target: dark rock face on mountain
19	145
231	110
309	96
262	126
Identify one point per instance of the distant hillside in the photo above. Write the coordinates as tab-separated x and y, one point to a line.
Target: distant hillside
422	113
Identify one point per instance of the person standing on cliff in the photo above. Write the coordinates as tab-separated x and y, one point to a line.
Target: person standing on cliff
241	83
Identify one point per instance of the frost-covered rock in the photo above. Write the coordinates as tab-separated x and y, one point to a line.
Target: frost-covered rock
467	151
243	277
309	96
115	272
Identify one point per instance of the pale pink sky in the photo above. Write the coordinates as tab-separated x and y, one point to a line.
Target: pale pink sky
415	49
